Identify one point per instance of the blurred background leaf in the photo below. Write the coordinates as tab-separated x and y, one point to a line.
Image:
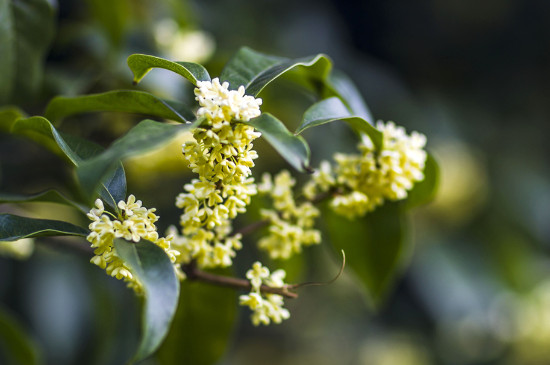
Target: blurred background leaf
203	325
25	35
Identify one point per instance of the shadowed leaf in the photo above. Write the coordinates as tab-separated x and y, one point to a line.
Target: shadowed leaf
256	70
152	267
16	342
202	326
424	191
128	101
294	149
48	196
14	227
333	109
143	137
376	247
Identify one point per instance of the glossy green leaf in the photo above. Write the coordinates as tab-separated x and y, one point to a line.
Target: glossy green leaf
8	116
341	85
141	64
202	327
41	131
256	70
333	109
143	137
294	149
13	227
26	30
424	191
75	150
376	247
48	196
128	101
16	343
152	267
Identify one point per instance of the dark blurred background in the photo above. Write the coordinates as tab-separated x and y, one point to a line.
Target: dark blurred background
472	75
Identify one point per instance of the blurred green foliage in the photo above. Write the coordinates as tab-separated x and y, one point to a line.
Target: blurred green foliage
472	76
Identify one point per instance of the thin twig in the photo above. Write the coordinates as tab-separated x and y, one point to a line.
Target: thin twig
193	273
252	227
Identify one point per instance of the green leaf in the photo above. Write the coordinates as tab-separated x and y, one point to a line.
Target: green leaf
16	342
256	70
294	149
376	247
152	267
341	85
48	196
202	327
26	30
13	227
75	150
141	64
128	101
144	136
44	133
8	116
424	191
333	109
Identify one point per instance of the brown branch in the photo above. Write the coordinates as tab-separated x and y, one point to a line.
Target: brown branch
193	273
252	227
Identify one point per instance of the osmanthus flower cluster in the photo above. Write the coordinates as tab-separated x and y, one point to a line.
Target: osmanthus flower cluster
222	155
362	182
266	307
290	224
134	223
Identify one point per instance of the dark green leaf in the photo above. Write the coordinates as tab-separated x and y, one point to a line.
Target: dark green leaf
332	109
341	85
143	137
48	196
26	29
376	247
424	191
13	227
16	342
256	70
128	101
202	326
75	150
8	116
152	267
294	149
41	131
141	64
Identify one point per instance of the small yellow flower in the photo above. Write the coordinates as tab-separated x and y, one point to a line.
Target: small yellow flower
269	307
134	223
291	225
363	182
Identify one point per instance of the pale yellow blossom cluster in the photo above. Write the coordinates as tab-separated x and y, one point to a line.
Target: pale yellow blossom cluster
134	223
291	225
265	307
221	154
364	181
